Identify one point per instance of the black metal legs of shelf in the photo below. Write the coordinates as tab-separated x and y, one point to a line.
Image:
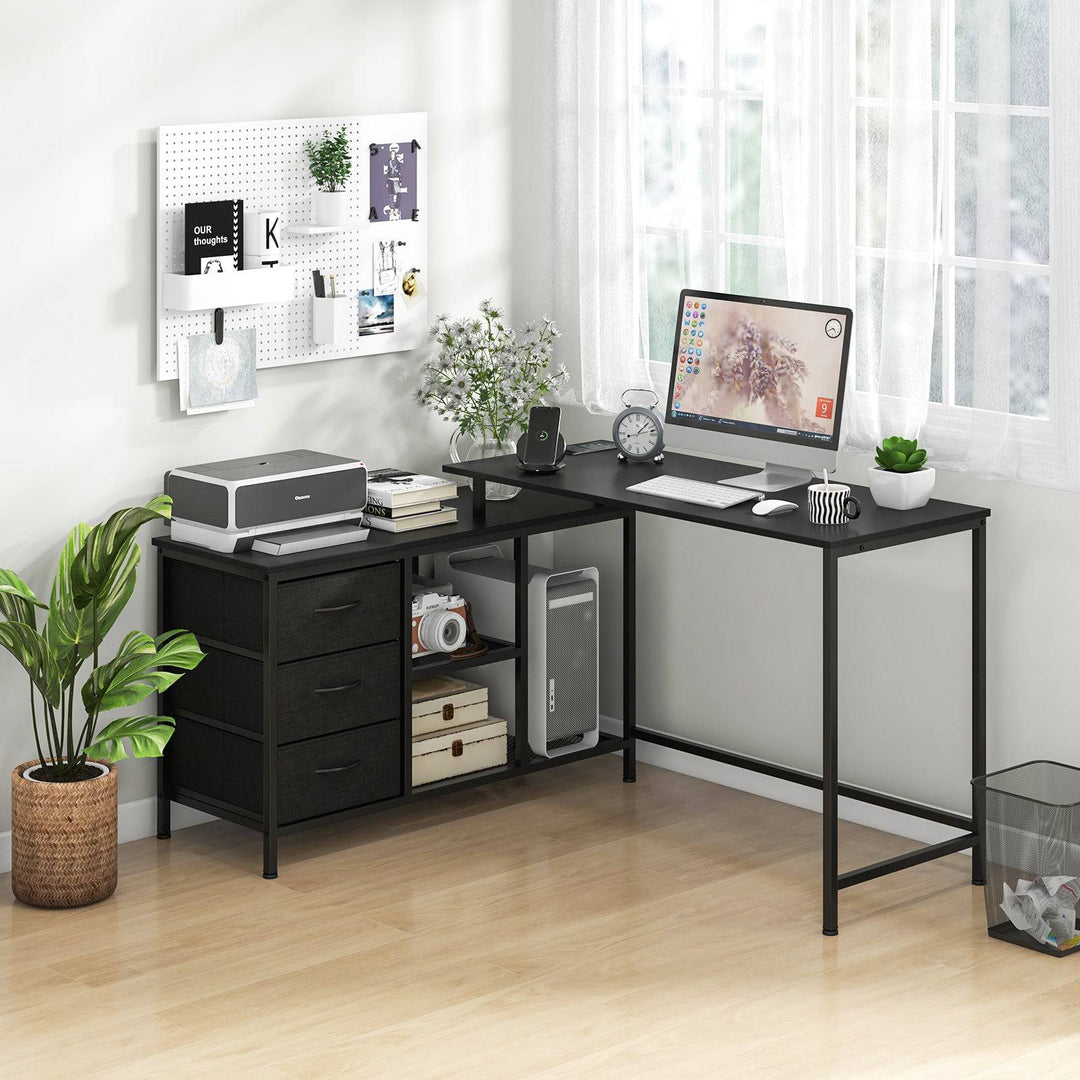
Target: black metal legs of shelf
629	691
164	803
978	690
270	735
829	867
521	636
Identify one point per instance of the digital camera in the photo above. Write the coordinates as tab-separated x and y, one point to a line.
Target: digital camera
438	619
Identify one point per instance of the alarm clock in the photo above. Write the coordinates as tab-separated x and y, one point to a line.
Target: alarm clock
638	430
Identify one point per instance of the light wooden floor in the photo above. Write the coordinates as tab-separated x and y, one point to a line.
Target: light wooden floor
565	925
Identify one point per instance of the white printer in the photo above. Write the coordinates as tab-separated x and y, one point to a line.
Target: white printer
223	505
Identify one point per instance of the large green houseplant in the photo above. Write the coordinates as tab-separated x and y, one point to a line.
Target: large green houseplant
64	803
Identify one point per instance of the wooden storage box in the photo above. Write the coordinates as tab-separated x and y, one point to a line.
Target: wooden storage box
462	750
441	703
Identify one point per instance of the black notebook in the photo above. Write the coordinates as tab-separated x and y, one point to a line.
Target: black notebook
213	236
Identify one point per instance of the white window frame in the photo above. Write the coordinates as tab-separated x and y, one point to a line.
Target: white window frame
949	420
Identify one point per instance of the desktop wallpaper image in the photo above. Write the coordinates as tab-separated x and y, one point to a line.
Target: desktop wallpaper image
772	366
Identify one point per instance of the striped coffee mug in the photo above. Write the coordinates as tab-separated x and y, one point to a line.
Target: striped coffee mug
832	504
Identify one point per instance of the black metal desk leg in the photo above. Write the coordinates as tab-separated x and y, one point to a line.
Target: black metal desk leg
978	689
829	869
164	804
479	498
629	689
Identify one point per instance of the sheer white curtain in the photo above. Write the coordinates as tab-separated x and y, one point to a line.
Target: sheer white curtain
890	202
891	155
596	192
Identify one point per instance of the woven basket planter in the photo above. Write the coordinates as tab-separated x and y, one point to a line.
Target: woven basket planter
63	840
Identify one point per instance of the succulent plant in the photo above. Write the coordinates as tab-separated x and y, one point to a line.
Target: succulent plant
897	454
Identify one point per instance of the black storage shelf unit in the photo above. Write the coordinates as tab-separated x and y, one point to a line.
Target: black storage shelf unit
301	712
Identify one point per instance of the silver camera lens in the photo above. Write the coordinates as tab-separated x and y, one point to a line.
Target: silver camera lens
441	631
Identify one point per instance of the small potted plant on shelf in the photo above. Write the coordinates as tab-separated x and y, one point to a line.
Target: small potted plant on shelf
330	165
901	479
63	803
484	378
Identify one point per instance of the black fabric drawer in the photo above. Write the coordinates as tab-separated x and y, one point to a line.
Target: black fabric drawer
216	764
369	760
332	693
341	611
224	687
209	603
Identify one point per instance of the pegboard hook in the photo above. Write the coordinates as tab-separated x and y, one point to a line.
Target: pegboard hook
219	325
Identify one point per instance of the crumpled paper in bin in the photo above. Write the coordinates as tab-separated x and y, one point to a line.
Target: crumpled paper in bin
1045	909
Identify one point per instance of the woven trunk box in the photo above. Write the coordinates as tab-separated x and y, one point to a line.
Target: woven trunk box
441	703
462	750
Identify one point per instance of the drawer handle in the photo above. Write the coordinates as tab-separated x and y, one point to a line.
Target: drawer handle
340	768
338	607
336	689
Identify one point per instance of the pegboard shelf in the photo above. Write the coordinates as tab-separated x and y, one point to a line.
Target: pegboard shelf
322	230
264	163
200	292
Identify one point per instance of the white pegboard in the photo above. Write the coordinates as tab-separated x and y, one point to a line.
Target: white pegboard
264	164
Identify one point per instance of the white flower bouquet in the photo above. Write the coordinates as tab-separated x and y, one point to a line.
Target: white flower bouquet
484	377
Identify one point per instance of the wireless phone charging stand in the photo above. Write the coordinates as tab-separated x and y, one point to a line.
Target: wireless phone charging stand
560	453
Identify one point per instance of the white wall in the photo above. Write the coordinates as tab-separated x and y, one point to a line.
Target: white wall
729	638
84	428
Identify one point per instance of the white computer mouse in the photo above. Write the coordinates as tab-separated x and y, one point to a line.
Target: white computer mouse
768	507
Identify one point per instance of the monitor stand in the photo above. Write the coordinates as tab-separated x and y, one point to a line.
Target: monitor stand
771	478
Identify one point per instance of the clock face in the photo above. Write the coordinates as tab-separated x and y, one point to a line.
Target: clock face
638	433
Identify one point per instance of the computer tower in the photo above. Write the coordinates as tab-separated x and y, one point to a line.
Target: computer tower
564	643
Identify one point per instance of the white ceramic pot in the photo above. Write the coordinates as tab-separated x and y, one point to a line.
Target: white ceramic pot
331	207
901	491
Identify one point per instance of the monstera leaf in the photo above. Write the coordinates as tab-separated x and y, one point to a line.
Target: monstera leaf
17	599
107	547
138	670
32	652
147	736
74	631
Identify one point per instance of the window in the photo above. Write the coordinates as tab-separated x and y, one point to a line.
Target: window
705	218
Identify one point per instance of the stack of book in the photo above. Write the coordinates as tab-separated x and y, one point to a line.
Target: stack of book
401	501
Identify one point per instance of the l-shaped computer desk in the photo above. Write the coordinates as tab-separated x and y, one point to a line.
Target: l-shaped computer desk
599	480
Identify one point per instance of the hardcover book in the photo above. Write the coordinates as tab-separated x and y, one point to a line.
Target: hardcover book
402	511
393	488
213	236
410	524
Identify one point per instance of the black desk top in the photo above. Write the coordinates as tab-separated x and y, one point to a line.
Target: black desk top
601	478
531	512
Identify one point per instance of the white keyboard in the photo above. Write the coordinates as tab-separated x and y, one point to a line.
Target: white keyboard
680	489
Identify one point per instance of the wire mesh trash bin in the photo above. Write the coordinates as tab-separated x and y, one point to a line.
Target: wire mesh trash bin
1030	817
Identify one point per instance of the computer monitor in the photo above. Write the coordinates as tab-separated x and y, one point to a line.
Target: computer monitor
759	379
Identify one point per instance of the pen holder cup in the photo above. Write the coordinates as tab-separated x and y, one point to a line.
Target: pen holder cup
330	319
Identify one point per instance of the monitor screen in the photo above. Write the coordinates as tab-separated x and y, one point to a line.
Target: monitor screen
771	369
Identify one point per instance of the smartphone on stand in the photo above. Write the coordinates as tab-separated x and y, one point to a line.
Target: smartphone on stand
542	438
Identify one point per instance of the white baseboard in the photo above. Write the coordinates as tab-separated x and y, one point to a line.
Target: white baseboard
134	821
875	817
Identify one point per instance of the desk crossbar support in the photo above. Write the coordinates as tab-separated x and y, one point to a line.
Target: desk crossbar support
908	859
797	776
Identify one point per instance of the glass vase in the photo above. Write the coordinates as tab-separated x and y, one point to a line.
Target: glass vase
469	448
